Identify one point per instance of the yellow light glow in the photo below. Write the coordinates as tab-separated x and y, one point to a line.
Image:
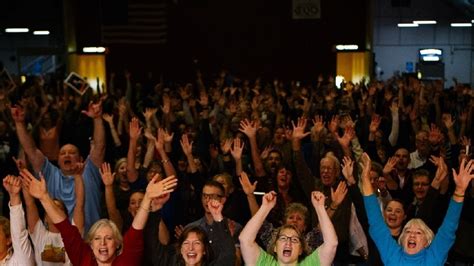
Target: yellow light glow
91	67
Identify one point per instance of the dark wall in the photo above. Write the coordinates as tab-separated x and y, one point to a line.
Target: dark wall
250	37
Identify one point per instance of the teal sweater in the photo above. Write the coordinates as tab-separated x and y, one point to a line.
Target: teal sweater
393	254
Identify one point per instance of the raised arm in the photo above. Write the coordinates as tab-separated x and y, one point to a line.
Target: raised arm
108	180
35	156
249	189
160	142
236	152
250	130
327	250
187	147
78	215
135	130
97	152
22	248
115	136
154	189
250	248
37	189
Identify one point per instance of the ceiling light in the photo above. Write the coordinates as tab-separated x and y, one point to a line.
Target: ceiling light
93	49
41	32
431	51
407	25
342	47
464	24
16	30
424	22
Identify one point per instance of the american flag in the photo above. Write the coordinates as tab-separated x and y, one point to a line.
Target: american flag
143	23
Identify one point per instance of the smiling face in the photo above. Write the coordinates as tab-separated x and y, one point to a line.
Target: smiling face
134	202
193	249
394	214
288	246
327	171
413	239
103	245
67	159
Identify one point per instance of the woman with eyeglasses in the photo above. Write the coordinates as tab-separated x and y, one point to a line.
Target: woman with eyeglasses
288	246
417	244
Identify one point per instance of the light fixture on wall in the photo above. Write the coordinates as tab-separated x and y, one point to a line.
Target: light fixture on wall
95	50
17	30
430	55
424	22
407	25
41	32
347	47
461	24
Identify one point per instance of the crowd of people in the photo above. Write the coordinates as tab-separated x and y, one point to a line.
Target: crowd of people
229	171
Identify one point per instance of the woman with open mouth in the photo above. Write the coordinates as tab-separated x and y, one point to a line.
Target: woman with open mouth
288	246
417	244
104	244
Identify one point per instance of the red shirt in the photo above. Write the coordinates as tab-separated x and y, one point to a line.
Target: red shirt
80	253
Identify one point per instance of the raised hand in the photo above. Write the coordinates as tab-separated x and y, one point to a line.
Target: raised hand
464	177
18	113
299	128
178	230
135	129
166	108
264	154
375	123
225	145
348	169
338	195
333	124
345	140
448	121
106	173
167	137
247	186
158	202
215	208
435	136
317	199
36	188
156	189
109	118
390	165
186	145
441	171
78	169
366	164
237	149
12	185
203	99
149	113
248	128
318	124
269	200
20	164
94	110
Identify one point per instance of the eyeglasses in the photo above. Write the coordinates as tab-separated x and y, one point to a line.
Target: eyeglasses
292	239
211	196
420	184
326	169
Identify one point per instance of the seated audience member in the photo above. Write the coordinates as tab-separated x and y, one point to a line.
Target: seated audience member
104	243
288	246
15	247
417	245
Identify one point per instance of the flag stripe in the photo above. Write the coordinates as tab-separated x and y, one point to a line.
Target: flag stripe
146	23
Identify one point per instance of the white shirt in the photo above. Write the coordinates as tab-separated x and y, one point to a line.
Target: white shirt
49	247
22	249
